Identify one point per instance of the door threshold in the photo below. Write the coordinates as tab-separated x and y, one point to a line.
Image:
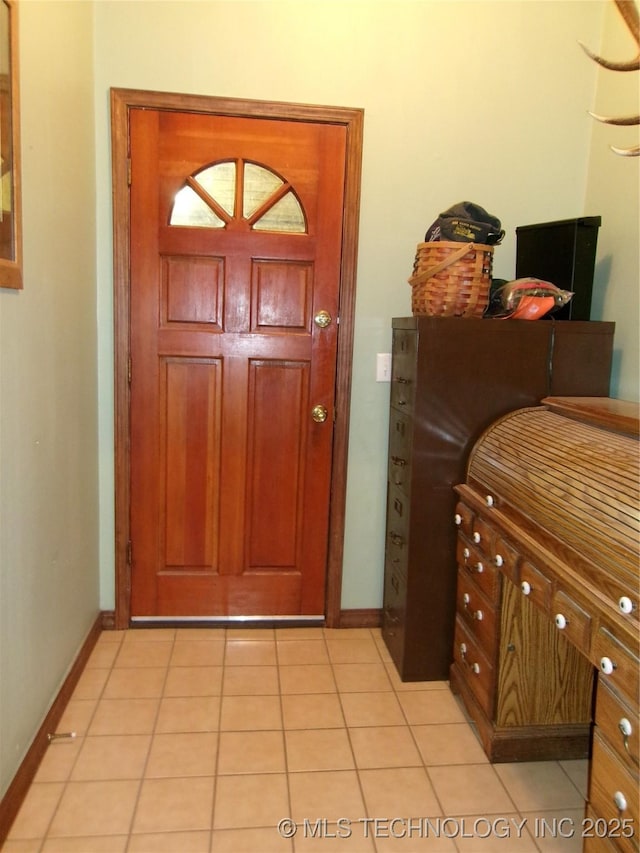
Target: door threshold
226	621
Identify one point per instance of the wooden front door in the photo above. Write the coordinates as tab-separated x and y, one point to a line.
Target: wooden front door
236	238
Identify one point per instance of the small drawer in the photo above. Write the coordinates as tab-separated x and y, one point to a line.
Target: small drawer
482	535
535	585
403	369
619	724
463	518
613	794
572	621
485	575
400	444
617	664
394	611
477	613
505	557
589	828
473	667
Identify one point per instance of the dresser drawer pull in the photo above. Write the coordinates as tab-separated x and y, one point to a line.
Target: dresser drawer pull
402	380
457	519
476	537
466	598
620	800
396	539
525	586
607	665
478	615
561	621
399	461
394	620
466	554
626	730
479	568
474	667
498	560
489	500
625	604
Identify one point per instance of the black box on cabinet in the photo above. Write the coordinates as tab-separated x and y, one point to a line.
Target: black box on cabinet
563	253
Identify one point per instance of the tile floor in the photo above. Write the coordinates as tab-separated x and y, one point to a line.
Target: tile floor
204	740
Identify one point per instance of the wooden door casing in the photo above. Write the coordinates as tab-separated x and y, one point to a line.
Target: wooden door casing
187	382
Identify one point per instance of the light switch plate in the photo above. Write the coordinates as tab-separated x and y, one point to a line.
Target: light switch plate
383	367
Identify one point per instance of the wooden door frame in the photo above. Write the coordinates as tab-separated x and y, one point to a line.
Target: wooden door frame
122	101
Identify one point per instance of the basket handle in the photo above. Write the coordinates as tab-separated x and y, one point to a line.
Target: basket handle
455	256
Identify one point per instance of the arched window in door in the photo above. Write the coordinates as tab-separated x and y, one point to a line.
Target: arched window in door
235	190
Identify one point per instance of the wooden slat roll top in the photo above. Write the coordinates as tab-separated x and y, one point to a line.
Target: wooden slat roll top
575	480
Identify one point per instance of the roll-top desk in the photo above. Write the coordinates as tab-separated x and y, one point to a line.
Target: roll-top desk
546	649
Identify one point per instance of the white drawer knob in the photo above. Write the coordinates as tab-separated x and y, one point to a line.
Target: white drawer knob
475	668
607	665
561	621
625	727
525	586
489	500
625	604
458	519
499	560
479	615
466	598
479	568
476	537
466	554
620	800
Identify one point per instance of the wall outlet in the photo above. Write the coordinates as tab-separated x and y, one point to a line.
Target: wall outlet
383	367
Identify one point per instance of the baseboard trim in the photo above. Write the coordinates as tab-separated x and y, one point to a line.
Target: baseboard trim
17	790
363	618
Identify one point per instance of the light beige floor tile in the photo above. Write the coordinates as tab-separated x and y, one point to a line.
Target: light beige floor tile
326	837
95	808
470	789
350	633
197	653
372	709
124	717
201	634
353	651
182	754
138	683
250	801
312	711
430	706
250	653
103	655
361	677
578	772
22	845
556	831
112	636
250	681
540	785
174	805
249	841
327	794
498	833
296	652
317	678
193	681
112	757
91	684
448	743
251	752
400	685
318	749
188	714
36	811
411	837
399	792
142	654
58	760
249	633
77	716
249	713
384	746
313	632
149	635
170	842
94	844
383	651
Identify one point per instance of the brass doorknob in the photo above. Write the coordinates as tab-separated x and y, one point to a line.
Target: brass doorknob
322	319
319	414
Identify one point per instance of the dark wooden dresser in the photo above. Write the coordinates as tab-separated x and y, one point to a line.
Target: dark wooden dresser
451	378
547	636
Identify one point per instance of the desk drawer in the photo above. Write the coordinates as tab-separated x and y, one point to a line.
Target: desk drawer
477	613
478	567
619	724
613	795
474	667
618	665
535	585
572	621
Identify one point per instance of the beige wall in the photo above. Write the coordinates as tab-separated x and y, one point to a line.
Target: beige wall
481	100
48	400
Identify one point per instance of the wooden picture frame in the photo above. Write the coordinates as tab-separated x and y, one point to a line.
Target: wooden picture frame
10	183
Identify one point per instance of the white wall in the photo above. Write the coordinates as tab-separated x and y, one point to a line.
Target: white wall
463	100
613	190
49	591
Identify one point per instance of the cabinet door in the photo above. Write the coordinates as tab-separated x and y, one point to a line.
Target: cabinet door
542	679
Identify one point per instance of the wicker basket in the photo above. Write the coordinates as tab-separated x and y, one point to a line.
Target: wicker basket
451	279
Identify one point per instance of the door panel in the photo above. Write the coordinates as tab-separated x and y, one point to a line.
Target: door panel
230	476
